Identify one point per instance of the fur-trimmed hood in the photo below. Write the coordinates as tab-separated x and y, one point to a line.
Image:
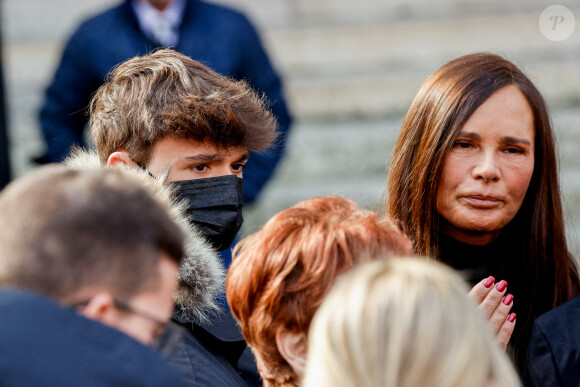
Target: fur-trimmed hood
201	275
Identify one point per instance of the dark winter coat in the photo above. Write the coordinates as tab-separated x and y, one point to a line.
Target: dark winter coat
43	344
553	357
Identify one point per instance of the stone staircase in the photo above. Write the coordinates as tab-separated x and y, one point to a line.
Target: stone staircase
351	69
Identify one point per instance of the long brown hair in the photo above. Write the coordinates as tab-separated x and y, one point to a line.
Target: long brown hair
444	103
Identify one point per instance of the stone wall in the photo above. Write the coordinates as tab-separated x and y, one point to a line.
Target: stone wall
351	69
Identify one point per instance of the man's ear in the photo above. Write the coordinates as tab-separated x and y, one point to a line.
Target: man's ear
293	347
120	157
99	307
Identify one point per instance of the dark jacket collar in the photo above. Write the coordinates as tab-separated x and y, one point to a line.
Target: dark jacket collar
42	343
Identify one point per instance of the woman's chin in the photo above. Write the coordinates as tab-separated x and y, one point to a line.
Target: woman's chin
474	234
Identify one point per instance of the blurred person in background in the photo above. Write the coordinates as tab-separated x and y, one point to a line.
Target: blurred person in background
88	267
403	322
190	131
474	183
218	37
280	275
5	171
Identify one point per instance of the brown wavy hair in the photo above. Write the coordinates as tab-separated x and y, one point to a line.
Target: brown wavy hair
444	103
167	94
280	275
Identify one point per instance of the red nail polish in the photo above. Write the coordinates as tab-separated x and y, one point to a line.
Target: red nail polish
489	281
508	299
501	286
512	317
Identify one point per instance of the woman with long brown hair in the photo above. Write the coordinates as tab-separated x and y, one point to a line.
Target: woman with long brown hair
474	183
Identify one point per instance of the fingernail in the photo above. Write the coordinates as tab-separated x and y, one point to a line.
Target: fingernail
508	299
512	317
501	286
488	282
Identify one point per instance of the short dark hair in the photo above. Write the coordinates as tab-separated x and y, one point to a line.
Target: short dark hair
63	230
167	94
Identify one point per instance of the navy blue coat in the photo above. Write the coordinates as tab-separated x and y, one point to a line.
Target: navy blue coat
220	38
553	357
43	344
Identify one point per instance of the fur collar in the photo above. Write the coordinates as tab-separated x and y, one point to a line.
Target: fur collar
201	276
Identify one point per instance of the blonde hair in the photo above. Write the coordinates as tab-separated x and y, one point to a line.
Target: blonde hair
403	322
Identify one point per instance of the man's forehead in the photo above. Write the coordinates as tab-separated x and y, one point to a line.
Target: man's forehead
191	146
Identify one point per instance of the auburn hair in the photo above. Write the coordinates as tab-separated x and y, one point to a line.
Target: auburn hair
280	275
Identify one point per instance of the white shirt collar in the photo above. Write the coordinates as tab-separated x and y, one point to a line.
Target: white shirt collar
148	17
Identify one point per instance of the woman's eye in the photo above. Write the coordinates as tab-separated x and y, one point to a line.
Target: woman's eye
462	144
514	149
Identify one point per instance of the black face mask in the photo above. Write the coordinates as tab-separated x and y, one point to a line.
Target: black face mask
214	206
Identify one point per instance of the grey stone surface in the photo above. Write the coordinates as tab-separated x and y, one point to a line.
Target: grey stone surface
351	68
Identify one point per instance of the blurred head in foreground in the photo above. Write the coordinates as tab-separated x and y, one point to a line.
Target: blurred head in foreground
403	322
95	240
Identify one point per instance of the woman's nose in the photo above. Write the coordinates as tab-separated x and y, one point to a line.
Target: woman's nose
487	167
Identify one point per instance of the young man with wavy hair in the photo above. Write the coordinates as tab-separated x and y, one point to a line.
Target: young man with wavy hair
191	130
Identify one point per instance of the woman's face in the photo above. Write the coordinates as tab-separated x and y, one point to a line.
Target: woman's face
487	172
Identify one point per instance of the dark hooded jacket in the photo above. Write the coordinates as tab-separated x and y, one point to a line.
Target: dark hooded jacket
214	352
43	344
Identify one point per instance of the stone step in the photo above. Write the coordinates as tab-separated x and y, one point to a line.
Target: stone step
351	69
297	14
33	23
370	71
46	21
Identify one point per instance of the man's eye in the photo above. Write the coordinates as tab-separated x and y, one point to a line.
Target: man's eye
200	168
239	167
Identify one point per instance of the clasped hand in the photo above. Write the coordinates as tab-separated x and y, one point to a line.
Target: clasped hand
495	305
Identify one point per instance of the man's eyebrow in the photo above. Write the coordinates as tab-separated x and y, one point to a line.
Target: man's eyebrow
204	157
210	157
515	140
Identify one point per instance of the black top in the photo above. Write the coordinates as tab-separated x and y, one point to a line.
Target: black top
478	262
502	259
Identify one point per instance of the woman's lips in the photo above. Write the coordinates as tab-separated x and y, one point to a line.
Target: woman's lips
482	201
